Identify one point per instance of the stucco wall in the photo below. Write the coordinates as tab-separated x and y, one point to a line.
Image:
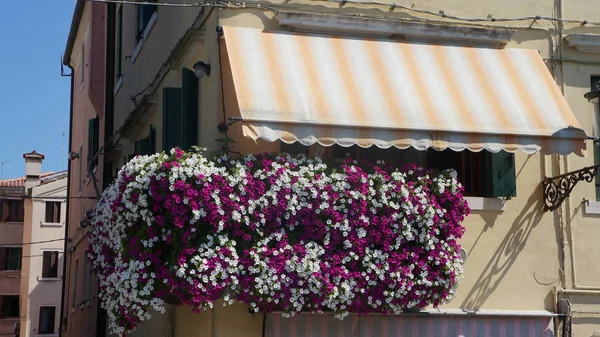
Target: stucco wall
88	102
515	256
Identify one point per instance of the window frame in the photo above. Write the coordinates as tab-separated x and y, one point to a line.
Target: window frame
3	309
52	322
50	269
53	212
8	258
14	215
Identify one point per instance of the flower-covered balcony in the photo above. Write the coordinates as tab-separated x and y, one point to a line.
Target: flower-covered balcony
276	232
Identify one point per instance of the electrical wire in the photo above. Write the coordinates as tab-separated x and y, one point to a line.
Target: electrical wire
392	7
31	243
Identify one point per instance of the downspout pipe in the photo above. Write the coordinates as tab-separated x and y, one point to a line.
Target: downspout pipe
67	223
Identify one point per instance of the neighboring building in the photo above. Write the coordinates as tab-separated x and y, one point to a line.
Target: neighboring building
43	259
85	55
525	266
32	226
12	217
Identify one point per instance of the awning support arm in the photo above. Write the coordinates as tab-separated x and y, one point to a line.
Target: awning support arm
557	189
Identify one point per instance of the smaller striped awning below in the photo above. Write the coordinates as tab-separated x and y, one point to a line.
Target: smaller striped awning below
332	90
309	325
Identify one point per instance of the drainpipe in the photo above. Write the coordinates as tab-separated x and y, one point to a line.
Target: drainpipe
69	177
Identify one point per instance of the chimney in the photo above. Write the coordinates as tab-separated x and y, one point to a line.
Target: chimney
33	169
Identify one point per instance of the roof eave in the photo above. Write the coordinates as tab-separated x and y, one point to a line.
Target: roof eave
79	7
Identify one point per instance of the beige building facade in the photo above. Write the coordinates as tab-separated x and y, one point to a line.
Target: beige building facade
41	280
522	261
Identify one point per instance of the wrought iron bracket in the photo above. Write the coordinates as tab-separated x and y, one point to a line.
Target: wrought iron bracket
557	189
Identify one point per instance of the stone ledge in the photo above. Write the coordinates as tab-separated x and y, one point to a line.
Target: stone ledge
384	28
585	43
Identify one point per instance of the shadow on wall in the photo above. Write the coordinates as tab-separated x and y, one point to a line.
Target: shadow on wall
507	251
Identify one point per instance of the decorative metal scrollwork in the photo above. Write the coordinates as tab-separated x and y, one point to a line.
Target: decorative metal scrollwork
557	189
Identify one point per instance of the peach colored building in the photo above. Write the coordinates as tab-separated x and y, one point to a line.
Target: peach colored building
43	258
12	216
85	56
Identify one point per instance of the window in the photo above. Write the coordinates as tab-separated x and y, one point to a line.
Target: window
147	145
9	306
75	279
172	118
143	14
47	318
53	211
93	140
82	66
50	264
12	258
483	174
119	43
13	211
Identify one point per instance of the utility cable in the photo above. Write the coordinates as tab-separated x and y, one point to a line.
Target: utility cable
31	243
392	7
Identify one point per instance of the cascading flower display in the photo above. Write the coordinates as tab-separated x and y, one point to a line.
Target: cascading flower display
277	232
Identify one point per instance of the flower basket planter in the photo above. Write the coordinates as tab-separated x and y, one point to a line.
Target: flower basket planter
277	232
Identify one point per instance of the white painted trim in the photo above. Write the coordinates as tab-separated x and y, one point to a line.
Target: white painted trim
384	28
49	279
140	44
591	207
486	204
51	224
118	85
584	42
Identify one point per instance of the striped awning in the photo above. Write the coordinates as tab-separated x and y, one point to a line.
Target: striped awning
308	325
332	90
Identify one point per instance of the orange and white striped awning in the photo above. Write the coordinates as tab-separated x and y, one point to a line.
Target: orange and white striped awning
333	90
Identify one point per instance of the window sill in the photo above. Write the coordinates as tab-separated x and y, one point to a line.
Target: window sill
13	222
118	85
591	208
49	279
50	224
140	44
486	204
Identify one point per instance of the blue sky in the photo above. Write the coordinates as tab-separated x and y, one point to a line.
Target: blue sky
34	98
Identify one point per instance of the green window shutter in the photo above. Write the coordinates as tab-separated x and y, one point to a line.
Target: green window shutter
91	132
138	148
119	57
145	146
499	175
143	15
172	119
93	139
190	86
152	140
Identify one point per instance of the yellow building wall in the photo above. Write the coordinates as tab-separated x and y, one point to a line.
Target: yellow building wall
517	256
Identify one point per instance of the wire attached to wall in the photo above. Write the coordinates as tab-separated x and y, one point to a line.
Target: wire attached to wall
441	13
